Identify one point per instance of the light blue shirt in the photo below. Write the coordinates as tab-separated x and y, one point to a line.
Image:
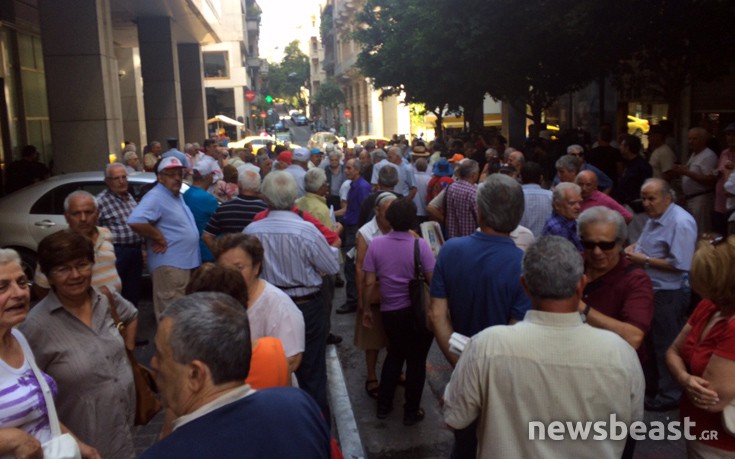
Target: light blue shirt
298	174
178	155
295	252
406	179
671	237
172	217
537	208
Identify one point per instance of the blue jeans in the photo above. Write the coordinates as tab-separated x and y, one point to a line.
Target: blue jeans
312	373
129	265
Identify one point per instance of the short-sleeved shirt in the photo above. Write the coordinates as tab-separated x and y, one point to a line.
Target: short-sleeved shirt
104	273
537	207
390	257
599	198
114	211
298	173
172	217
624	293
90	365
234	215
178	155
422	187
23	405
671	237
275	314
697	352
704	162
558	225
662	160
480	277
461	208
317	206
202	206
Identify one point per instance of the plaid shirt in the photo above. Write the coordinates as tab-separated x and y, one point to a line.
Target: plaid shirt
114	212
461	218
560	226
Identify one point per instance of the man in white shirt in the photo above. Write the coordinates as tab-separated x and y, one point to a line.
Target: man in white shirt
549	367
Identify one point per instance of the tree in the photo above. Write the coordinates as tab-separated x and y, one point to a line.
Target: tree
329	96
286	79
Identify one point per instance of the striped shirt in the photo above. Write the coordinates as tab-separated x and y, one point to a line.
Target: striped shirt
295	253
537	208
104	273
23	405
234	215
114	212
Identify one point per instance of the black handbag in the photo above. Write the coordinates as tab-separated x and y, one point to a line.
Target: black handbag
419	293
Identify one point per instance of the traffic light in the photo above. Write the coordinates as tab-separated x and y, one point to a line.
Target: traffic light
268	99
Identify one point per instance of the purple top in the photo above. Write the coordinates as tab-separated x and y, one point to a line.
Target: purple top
390	257
359	190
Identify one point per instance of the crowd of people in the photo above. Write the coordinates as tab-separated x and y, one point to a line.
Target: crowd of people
567	268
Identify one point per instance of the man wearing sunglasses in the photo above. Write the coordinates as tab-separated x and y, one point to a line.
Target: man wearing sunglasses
619	295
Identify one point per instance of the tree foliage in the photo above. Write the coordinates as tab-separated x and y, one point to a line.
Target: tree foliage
330	95
286	79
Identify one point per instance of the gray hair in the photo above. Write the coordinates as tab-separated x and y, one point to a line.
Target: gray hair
467	168
9	256
358	148
568	163
130	147
665	187
384	197
378	155
314	179
213	328
500	203
560	190
128	156
421	164
111	166
249	180
388	176
357	164
280	190
552	268
601	214
335	154
369	144
571	149
79	194
491	153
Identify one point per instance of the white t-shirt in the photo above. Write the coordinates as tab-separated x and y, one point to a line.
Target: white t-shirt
275	314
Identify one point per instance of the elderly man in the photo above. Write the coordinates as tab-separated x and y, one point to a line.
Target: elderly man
151	158
619	295
665	251
237	213
460	215
475	281
203	384
335	171
605	182
358	192
422	176
366	160
131	161
537	201
387	181
115	205
662	156
173	150
201	203
517	380
406	181
567	204
212	155
298	168
296	254
171	234
699	176
591	196
567	168
315	202
80	212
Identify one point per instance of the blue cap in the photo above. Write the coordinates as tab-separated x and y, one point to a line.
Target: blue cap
316	151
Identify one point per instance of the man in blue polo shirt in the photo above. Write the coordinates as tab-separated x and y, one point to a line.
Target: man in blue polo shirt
171	234
476	280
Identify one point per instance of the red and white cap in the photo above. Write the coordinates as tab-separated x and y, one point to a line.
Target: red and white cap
170	163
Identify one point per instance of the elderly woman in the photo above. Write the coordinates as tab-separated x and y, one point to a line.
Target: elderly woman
75	341
24	422
702	358
372	339
391	258
270	311
131	160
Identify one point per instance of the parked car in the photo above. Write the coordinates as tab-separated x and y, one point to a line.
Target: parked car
256	141
34	212
301	120
638	126
321	140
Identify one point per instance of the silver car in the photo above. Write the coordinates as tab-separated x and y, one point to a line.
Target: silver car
32	213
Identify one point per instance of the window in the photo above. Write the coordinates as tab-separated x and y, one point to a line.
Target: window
215	64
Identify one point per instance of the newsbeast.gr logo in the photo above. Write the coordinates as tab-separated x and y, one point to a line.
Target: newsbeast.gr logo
616	430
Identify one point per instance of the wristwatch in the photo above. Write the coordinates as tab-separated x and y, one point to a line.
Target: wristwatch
647	263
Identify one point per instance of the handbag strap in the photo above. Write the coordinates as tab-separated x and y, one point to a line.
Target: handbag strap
53	418
115	316
418	272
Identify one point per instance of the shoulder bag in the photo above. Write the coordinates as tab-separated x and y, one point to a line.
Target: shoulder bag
146	402
61	446
419	293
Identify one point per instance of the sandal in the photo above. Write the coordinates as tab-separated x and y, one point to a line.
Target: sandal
372	392
413	418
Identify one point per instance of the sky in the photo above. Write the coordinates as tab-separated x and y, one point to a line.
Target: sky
282	22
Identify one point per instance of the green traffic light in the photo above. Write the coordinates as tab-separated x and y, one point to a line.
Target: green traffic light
268	99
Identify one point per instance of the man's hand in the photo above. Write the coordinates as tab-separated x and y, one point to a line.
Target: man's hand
159	244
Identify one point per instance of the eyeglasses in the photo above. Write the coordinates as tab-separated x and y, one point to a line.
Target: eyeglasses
603	245
82	267
119	178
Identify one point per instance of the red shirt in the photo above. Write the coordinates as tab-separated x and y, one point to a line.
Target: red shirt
328	234
625	294
696	354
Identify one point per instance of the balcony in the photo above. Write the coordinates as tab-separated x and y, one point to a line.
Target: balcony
253	25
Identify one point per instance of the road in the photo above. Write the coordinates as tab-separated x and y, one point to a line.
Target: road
356	426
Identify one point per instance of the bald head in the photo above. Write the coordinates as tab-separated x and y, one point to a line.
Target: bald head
587	181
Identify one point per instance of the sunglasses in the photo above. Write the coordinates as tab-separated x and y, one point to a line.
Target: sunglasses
603	245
